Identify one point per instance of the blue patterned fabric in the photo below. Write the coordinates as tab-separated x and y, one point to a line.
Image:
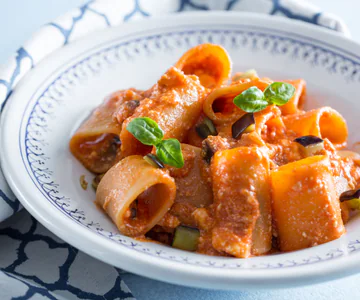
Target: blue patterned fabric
39	263
34	262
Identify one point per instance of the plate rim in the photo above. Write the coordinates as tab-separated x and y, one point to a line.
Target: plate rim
187	272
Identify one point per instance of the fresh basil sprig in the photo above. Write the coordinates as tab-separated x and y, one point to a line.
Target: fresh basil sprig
279	93
254	100
251	100
169	152
148	132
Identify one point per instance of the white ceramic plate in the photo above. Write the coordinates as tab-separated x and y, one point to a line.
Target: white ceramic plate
52	100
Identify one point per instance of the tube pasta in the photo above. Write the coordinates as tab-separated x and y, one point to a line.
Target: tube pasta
133	181
211	63
240	179
323	122
95	144
175	104
219	106
306	208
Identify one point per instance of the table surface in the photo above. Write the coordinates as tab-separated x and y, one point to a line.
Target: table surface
17	25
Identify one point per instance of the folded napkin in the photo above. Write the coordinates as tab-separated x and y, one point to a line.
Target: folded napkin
34	262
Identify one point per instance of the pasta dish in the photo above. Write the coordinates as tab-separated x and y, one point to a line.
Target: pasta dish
220	164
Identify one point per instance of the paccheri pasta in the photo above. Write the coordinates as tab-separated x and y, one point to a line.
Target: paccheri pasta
219	165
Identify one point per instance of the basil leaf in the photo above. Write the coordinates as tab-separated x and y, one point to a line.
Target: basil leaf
251	100
279	93
146	130
169	152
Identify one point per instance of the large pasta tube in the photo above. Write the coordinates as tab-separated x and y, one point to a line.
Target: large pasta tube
96	143
219	106
191	181
211	63
175	104
306	207
136	195
241	188
323	122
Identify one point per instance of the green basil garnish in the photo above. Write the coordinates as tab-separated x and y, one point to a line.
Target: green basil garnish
279	93
169	152
146	130
251	100
254	100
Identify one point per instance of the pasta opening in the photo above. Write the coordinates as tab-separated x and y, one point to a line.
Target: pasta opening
223	109
209	62
224	105
147	206
136	195
208	71
218	105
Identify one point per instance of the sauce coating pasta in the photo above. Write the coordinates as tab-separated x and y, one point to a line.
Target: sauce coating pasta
219	165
